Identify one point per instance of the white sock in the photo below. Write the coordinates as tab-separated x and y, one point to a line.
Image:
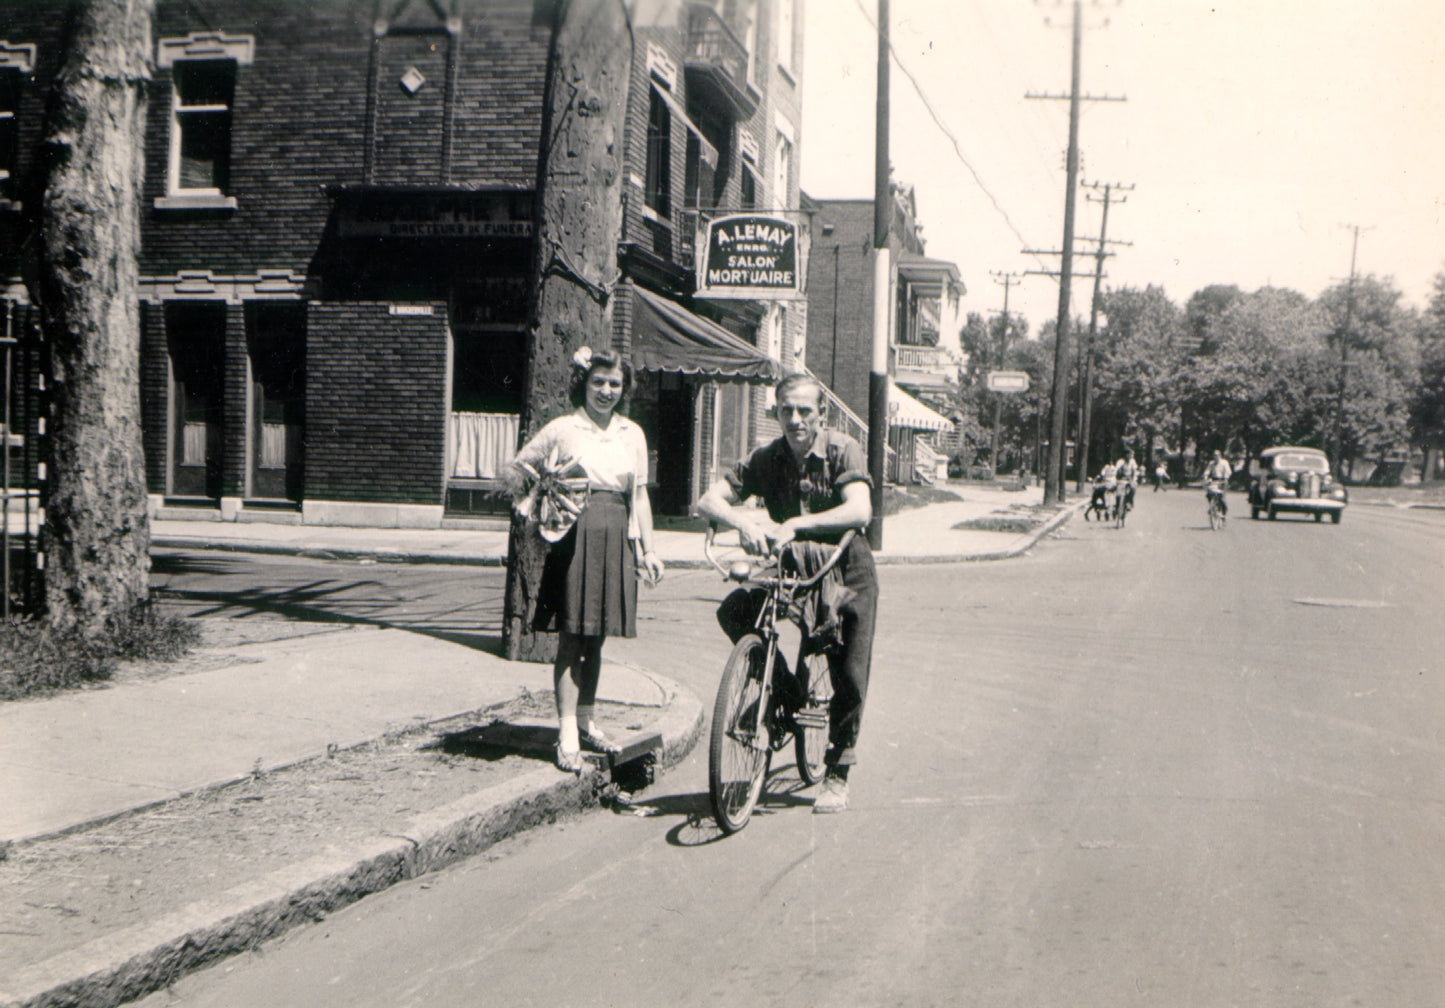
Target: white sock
585	715
567	736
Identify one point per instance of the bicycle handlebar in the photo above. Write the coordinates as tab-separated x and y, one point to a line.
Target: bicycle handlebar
743	570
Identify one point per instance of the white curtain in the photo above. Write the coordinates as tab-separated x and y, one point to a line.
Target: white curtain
479	444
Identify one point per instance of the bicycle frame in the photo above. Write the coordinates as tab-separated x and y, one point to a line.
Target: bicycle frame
783	589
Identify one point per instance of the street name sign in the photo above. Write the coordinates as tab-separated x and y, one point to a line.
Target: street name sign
1008	381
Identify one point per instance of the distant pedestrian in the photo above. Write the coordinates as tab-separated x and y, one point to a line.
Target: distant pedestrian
1161	475
585	475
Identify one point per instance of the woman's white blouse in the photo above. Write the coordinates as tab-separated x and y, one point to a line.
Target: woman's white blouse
615	458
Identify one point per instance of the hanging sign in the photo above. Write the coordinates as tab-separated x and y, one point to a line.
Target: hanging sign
752	256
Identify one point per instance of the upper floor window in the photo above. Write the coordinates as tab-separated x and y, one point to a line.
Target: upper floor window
201	116
203	88
657	187
16	63
782	171
785	34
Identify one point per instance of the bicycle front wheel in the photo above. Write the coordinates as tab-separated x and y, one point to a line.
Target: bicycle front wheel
737	757
810	739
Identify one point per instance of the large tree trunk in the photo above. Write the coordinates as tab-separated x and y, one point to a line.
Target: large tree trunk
98	535
579	223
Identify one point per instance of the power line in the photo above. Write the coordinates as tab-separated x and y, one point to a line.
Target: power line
957	149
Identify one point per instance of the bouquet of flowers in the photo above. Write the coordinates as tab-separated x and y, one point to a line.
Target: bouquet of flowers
555	495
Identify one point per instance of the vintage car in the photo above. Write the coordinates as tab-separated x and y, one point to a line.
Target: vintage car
1296	479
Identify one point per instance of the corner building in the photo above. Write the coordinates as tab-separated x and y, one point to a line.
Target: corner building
337	243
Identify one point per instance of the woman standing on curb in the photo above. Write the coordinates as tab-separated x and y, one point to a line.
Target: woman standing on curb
589	581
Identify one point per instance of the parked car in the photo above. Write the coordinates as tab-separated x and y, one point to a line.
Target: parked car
1296	479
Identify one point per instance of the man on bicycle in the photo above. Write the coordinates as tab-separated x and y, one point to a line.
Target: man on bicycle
1216	477
1126	471
814	484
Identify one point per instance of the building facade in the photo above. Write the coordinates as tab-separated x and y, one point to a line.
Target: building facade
338	243
924	357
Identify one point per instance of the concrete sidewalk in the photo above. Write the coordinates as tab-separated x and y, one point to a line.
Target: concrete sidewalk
71	762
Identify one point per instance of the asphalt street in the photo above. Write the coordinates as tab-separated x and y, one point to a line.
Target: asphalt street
1155	765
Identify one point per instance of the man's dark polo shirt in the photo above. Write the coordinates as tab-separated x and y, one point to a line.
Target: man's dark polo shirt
834	461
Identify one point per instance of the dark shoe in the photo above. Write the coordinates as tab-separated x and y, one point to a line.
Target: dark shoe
833	796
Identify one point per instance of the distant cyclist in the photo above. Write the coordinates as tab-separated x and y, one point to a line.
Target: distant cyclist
1216	478
1126	471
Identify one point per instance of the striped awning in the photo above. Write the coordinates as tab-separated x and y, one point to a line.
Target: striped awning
906	411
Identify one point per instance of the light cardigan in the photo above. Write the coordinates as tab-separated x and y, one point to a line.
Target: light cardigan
615	459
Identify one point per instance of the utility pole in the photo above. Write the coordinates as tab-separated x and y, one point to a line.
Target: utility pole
1007	280
1058	408
1086	383
1337	463
882	289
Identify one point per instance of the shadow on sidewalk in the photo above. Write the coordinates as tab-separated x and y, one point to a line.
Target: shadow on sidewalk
362	602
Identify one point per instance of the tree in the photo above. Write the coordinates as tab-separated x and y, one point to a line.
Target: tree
1427	403
87	285
1138	364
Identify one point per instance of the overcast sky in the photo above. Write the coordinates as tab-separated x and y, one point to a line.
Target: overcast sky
1255	133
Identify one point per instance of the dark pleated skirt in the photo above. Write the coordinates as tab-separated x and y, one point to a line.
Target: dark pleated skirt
589	583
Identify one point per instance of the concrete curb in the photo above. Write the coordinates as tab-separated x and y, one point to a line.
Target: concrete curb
148	957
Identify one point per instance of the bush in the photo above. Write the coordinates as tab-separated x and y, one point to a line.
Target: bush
37	659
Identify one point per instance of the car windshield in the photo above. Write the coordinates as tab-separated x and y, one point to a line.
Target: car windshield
1301	461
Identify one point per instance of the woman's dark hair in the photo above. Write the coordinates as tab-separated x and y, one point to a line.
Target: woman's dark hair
577	392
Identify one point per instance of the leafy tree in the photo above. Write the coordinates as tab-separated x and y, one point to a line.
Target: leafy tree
1138	357
1427	403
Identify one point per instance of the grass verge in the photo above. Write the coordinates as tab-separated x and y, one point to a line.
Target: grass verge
37	659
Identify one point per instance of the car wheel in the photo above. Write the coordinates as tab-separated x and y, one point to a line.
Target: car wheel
1319	517
1254	513
1271	514
1337	516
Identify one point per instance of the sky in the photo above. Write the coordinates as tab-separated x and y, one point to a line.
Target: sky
1257	136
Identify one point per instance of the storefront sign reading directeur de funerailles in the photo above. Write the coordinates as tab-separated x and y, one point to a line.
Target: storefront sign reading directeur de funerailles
754	256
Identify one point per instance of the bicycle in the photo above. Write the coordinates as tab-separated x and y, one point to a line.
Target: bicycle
1123	503
1215	498
757	709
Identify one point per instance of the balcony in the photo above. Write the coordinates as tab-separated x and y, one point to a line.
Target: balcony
717	64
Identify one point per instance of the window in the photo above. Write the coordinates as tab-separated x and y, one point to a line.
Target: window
749	180
201	135
699	184
782	171
203	86
658	185
9	129
785	35
16	63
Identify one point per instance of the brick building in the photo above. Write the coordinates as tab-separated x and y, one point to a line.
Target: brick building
923	347
339	211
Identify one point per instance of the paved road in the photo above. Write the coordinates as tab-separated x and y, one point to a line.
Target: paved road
1149	766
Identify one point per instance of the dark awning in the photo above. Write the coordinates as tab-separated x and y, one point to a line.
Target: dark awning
668	337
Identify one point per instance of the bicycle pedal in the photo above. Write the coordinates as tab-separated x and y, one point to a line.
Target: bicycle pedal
811	717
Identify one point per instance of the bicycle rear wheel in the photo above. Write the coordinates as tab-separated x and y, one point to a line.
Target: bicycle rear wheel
737	760
1215	518
810	738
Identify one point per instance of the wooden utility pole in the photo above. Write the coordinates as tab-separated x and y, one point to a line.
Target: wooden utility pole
1007	280
1086	381
97	530
1337	463
1059	405
882	289
578	227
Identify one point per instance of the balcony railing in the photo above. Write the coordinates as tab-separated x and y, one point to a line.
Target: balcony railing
717	63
